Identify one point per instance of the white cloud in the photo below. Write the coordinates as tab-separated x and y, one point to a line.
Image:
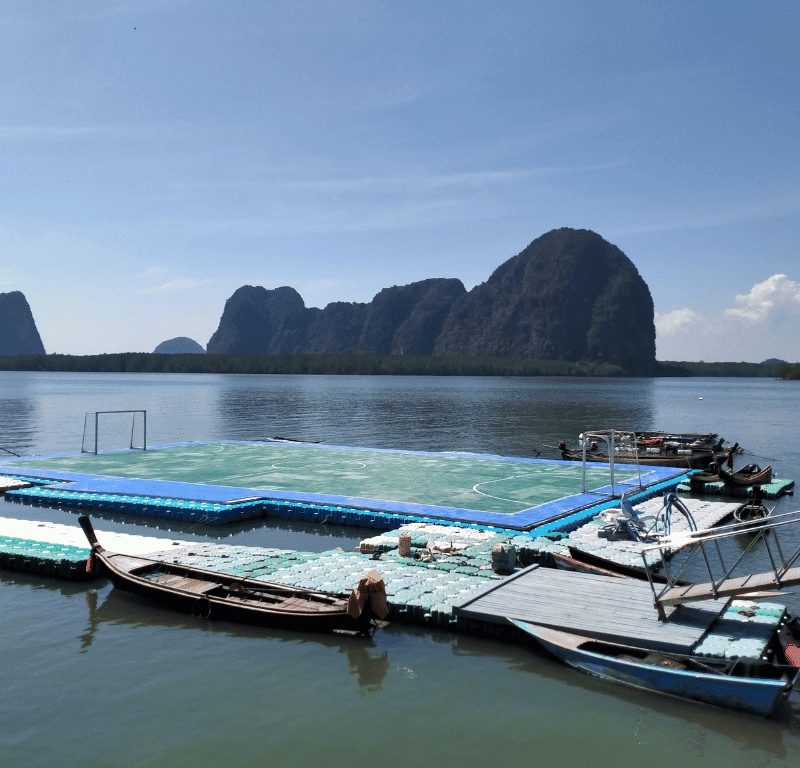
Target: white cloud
432	180
179	284
764	298
677	321
50	133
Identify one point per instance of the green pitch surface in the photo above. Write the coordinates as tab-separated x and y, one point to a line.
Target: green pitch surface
480	483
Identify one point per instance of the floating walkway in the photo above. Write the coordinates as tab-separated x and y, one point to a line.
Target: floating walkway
449	509
61	551
621	611
218	483
445	562
455	589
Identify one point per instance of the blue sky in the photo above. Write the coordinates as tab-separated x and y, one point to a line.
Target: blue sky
157	155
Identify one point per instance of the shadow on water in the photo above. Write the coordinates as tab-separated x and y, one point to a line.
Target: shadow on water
105	604
747	731
370	660
263	532
122	609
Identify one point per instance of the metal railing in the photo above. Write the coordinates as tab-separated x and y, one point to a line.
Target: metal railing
705	547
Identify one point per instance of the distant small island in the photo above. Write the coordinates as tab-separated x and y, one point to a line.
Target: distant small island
181	345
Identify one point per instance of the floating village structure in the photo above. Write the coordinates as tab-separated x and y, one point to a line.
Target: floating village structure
462	541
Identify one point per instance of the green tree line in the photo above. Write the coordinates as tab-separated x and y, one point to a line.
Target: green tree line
362	364
368	364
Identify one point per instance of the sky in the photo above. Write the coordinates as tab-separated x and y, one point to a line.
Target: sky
156	155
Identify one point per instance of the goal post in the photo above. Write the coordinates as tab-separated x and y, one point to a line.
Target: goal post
122	429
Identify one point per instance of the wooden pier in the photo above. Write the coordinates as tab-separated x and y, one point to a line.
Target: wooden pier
619	610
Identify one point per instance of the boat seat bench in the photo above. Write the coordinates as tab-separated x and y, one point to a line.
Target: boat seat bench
196	586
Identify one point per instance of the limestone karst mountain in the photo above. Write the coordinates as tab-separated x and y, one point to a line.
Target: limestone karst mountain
570	295
18	333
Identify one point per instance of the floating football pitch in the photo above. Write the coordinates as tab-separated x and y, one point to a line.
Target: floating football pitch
468	487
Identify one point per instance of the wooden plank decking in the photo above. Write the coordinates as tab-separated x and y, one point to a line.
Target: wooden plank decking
620	610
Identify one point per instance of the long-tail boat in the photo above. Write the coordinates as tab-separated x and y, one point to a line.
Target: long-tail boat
224	597
748	475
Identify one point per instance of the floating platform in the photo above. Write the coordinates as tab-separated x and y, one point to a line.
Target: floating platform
621	611
221	482
452	587
773	490
12	484
61	551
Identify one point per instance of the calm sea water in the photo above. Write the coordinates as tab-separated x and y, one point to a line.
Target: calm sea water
93	677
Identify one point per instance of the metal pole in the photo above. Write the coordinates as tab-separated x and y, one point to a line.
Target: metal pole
96	414
583	446
611	460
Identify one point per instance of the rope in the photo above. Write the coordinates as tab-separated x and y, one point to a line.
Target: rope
765	458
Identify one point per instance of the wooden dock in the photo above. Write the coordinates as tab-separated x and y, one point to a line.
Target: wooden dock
619	610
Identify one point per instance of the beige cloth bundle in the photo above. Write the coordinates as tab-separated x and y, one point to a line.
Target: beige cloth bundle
370	588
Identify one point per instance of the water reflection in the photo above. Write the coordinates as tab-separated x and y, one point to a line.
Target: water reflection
18	431
655	715
369	668
421	661
123	609
520	417
91	630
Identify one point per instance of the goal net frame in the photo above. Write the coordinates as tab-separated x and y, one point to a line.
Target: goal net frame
96	422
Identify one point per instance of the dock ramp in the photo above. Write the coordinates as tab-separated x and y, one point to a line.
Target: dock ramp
726	576
604	607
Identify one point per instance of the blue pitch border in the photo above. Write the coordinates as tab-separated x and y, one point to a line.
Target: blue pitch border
219	504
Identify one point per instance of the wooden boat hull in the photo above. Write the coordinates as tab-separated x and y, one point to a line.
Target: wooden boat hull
617	569
223	597
746	479
749	515
703	477
749	694
661	449
679	461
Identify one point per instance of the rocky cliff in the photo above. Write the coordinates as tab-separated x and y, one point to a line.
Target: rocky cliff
18	333
403	319
570	295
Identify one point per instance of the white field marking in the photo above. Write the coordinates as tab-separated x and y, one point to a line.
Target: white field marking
359	465
499	498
